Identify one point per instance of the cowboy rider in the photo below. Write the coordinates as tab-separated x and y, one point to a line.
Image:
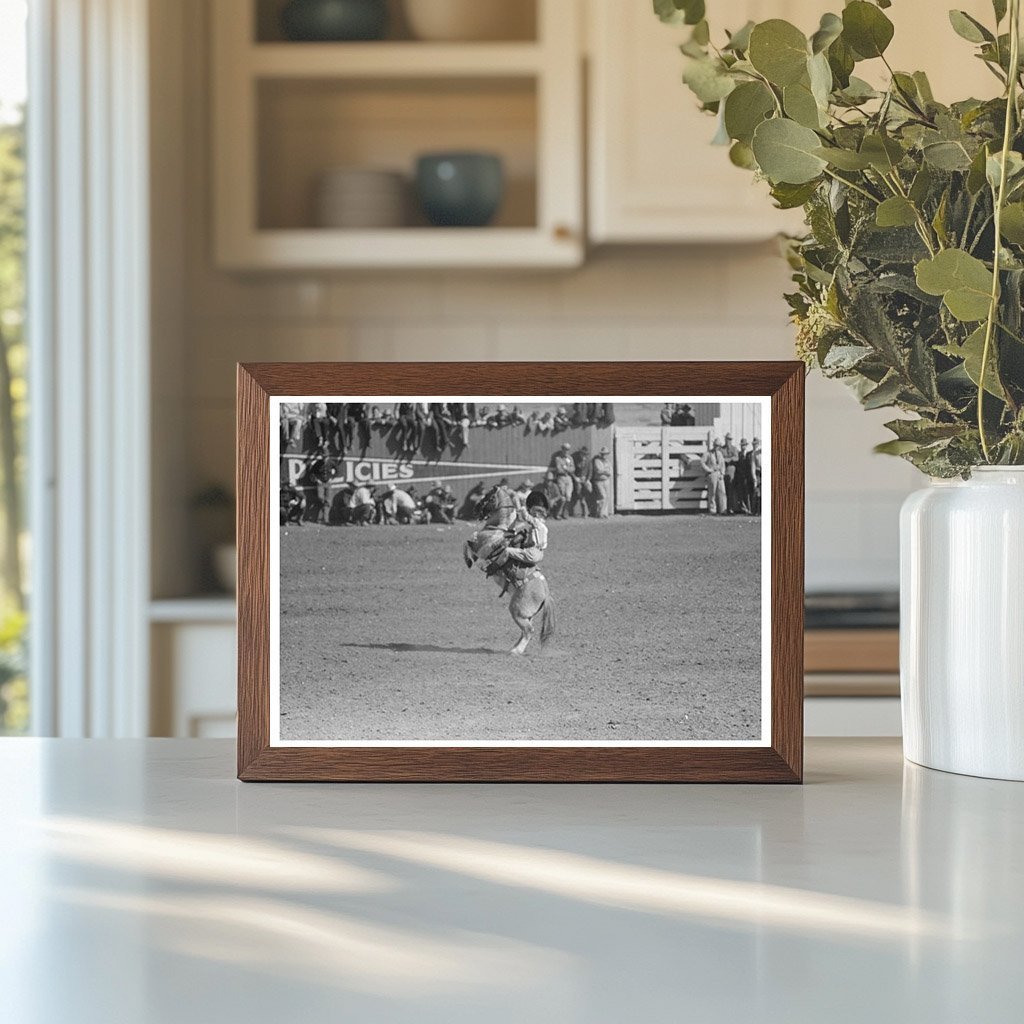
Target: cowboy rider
529	525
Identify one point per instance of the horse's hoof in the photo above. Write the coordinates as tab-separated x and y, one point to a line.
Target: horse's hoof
516	651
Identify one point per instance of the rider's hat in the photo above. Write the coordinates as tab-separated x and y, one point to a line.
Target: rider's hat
536	500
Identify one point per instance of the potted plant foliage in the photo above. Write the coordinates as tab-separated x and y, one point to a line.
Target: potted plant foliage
908	288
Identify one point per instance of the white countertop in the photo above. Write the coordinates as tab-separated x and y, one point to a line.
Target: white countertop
141	885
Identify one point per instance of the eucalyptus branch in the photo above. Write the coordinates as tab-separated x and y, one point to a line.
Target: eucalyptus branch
853	185
1000	199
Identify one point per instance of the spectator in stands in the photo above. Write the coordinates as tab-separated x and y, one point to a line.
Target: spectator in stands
578	416
606	417
563	468
668	412
293	505
544	423
713	464
405	429
291	424
683	416
319	424
582	488
561	420
380	419
516	418
499	418
458	413
437	417
357	426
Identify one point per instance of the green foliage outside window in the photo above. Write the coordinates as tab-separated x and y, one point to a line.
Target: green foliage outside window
13	411
910	278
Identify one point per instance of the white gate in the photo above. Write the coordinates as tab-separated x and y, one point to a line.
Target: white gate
657	469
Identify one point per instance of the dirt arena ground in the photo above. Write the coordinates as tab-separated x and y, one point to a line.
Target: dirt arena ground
386	635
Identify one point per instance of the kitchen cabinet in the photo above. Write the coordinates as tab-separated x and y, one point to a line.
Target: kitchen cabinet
653	175
286	113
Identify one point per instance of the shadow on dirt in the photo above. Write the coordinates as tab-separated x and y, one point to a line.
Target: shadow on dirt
423	649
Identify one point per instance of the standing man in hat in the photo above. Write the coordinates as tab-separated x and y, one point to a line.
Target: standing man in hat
731	454
600	479
744	482
582	486
563	468
755	471
713	464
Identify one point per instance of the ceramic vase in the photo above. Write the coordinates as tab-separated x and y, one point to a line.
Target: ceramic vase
962	624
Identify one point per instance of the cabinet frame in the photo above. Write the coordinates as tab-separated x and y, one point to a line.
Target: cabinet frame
553	62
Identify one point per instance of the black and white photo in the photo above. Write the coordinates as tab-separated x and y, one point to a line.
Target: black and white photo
490	571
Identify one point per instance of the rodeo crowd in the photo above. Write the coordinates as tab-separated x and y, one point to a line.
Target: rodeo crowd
342	428
575	484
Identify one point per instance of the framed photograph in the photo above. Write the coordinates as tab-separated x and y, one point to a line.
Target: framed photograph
520	572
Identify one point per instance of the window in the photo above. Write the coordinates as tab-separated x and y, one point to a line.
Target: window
14	703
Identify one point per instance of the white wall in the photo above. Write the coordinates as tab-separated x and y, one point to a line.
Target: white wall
654	303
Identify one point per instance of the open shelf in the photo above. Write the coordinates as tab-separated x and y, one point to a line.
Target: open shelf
519	17
286	114
393	60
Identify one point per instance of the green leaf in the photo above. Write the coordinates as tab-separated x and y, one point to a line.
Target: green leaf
1012	226
701	33
745	108
968	28
830	29
676	12
947	156
741	155
884	395
976	174
923	431
841	60
994	168
785	152
708	80
896	212
789	197
895	447
921	185
924	87
883	153
971	352
820	76
999	6
778	50
739	41
800	105
866	29
844	159
963	281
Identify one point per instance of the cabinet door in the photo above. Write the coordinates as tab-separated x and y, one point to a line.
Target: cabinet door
654	175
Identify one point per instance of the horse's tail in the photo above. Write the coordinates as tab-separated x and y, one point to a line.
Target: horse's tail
547	619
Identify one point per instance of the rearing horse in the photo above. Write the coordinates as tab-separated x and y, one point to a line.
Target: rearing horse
531	597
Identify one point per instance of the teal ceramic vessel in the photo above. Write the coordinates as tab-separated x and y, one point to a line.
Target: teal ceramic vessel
334	21
461	190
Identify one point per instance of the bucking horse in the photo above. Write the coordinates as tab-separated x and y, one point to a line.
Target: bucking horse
530	597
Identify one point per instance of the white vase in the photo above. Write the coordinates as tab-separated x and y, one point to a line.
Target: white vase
962	624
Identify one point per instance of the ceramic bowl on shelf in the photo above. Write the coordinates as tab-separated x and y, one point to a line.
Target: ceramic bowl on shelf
460	189
470	20
361	198
332	21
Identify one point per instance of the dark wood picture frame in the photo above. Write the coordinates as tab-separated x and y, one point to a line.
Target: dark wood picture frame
781	761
